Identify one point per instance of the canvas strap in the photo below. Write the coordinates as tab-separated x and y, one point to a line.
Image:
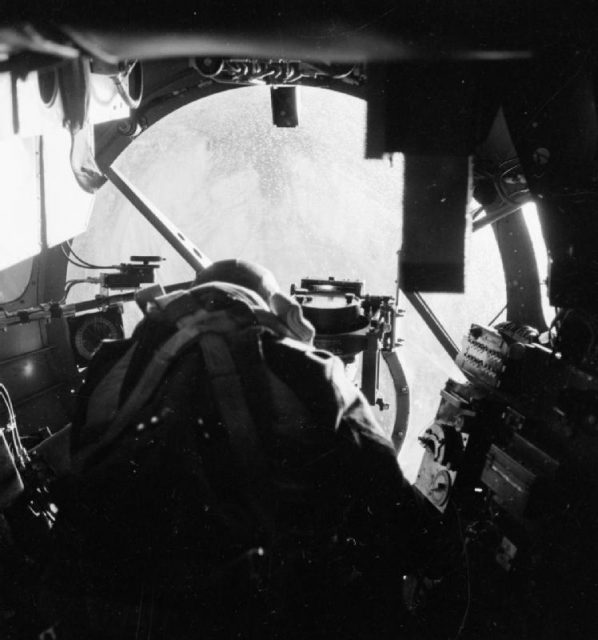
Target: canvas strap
210	328
141	394
229	396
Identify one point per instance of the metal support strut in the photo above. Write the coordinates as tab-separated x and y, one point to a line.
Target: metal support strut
165	227
435	326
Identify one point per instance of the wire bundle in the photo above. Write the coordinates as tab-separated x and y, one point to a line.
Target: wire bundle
10	429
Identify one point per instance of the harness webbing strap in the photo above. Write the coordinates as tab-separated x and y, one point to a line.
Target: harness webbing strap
231	403
254	479
142	392
211	328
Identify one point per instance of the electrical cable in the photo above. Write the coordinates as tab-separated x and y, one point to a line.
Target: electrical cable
69	284
9	408
11	429
91	266
342	76
122	90
67	256
80	262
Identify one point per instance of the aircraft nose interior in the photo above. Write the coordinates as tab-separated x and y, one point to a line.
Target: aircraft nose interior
422	191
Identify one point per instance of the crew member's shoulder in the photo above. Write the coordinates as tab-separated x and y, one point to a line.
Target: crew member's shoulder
319	378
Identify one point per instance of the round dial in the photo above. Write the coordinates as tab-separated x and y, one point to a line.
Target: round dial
91	332
440	488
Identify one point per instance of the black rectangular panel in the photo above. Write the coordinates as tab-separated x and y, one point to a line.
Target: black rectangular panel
434	210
